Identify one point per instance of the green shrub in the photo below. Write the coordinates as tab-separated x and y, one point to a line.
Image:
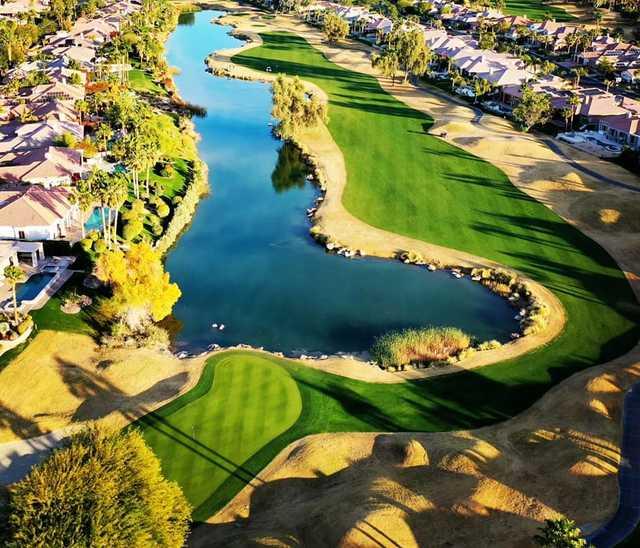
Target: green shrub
489	345
136	212
132	229
99	246
153	220
167	170
412	257
176	200
104	488
157	230
24	325
429	344
93	235
4	328
86	244
560	533
163	210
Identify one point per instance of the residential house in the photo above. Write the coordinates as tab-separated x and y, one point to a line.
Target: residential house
16	253
623	55
624	129
47	166
35	213
38	134
53	91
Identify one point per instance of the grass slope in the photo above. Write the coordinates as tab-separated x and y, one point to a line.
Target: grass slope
403	180
537	10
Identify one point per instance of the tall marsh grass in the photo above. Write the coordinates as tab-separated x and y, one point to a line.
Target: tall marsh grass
428	344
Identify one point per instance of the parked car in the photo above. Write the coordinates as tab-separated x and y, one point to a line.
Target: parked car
465	91
496	108
438	75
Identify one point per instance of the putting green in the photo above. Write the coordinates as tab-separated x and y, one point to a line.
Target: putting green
236	408
402	180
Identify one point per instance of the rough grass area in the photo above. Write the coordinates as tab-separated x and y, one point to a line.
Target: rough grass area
537	10
429	344
217	437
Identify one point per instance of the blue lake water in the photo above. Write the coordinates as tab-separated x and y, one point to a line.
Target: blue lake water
247	260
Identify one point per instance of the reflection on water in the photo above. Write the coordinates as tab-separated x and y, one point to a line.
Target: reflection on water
291	169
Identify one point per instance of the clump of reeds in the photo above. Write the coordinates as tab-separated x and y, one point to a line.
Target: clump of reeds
417	346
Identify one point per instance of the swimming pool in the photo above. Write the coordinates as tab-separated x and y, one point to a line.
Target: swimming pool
30	289
94	222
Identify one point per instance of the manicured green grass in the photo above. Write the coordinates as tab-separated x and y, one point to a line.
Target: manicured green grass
51	317
403	180
537	10
203	437
175	183
141	81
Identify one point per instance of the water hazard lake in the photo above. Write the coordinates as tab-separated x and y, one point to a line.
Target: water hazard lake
247	260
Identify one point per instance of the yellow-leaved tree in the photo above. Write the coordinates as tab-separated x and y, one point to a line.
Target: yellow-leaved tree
141	289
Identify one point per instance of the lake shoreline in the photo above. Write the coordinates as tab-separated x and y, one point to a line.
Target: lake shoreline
333	225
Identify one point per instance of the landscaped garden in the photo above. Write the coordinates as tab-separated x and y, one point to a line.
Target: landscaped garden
406	181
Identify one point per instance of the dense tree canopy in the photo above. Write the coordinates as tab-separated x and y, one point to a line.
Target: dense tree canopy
412	53
15	40
534	109
294	108
335	28
104	489
141	289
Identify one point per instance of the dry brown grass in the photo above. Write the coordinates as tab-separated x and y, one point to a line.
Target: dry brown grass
64	378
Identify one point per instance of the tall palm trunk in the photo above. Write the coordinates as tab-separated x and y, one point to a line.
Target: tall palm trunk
15	302
104	224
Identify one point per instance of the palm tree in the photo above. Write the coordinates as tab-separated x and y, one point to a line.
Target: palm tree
481	87
574	104
14	275
578	73
82	196
116	192
104	133
82	107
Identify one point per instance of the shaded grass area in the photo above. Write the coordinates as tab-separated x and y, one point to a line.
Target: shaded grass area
204	435
537	10
405	181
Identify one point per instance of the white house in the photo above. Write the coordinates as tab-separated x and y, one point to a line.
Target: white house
12	253
36	213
